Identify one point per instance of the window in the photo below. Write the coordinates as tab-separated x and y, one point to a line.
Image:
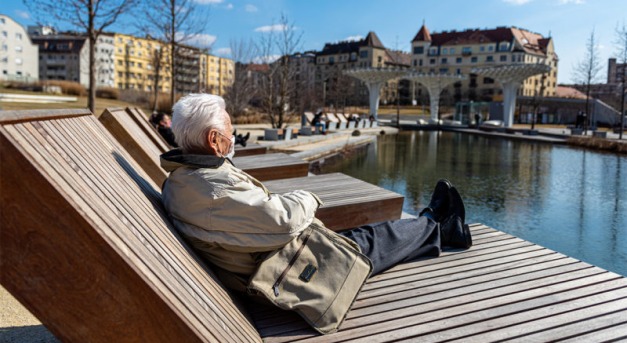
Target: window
120	62
504	46
489	58
419	50
331	60
433	51
18	61
445	51
444	60
458	60
2	21
503	58
363	54
432	61
473	59
420	62
5	47
5	34
18	36
451	50
482	48
487	80
443	70
458	72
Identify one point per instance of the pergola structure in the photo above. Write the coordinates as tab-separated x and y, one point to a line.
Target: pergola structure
375	78
511	77
435	84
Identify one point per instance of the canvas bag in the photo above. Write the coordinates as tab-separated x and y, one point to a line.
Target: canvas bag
319	275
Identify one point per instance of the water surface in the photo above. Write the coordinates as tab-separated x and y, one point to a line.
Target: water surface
566	199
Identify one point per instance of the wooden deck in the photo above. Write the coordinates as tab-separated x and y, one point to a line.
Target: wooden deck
503	288
348	202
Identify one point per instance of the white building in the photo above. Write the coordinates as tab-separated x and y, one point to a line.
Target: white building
18	55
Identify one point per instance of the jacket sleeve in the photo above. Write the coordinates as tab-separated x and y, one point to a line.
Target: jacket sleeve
239	215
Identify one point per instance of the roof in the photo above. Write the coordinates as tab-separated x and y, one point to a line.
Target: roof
524	40
568	92
397	58
346	47
423	35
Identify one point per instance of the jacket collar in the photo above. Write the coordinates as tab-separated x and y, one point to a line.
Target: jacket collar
175	158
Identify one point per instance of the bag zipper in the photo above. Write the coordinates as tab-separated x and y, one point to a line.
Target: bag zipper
276	285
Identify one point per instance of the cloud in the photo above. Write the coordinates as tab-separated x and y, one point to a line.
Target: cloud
250	8
22	14
576	2
266	59
354	38
517	2
222	51
270	28
200	40
229	6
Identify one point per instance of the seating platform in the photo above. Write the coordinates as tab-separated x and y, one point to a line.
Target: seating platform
86	246
141	145
348	202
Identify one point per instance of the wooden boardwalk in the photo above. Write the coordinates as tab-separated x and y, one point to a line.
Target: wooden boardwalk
502	289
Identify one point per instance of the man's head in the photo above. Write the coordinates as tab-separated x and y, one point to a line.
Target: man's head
201	125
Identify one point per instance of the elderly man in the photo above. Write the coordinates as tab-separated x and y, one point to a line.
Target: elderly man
234	222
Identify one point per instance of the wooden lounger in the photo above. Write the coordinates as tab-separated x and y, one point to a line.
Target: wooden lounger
142	147
86	246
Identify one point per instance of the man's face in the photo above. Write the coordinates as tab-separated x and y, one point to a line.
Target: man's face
225	137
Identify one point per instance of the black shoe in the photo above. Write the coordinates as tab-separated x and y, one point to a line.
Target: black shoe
454	233
439	206
456	206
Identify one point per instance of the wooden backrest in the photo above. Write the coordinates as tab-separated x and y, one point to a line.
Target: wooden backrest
342	118
142	121
86	246
309	116
135	140
331	117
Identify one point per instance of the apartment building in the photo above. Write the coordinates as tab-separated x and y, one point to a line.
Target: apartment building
457	52
616	72
368	52
141	63
217	74
18	55
63	57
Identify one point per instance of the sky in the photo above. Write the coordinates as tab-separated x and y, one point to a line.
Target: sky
396	22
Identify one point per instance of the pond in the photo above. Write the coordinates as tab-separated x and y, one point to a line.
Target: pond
570	200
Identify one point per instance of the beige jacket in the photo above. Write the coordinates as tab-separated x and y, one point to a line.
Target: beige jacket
229	216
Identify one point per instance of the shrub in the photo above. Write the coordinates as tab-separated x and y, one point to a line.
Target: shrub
68	87
108	93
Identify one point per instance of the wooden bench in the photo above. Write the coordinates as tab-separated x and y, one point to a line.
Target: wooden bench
142	147
86	246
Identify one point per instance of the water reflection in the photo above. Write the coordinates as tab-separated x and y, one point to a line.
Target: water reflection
569	200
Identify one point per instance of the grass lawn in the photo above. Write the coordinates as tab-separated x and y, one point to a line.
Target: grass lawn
81	102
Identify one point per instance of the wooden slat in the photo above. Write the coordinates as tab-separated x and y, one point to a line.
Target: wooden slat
250	149
502	288
87	248
348	202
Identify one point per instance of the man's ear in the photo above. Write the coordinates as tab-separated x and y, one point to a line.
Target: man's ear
212	140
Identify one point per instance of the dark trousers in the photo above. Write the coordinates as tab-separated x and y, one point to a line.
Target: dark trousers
389	243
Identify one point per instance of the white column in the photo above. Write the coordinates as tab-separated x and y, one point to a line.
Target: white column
509	101
434	104
374	88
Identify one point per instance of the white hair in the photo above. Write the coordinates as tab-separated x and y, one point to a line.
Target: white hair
192	118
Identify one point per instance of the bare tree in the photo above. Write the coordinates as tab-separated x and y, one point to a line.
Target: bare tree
621	44
242	91
92	16
176	22
587	72
278	83
156	60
